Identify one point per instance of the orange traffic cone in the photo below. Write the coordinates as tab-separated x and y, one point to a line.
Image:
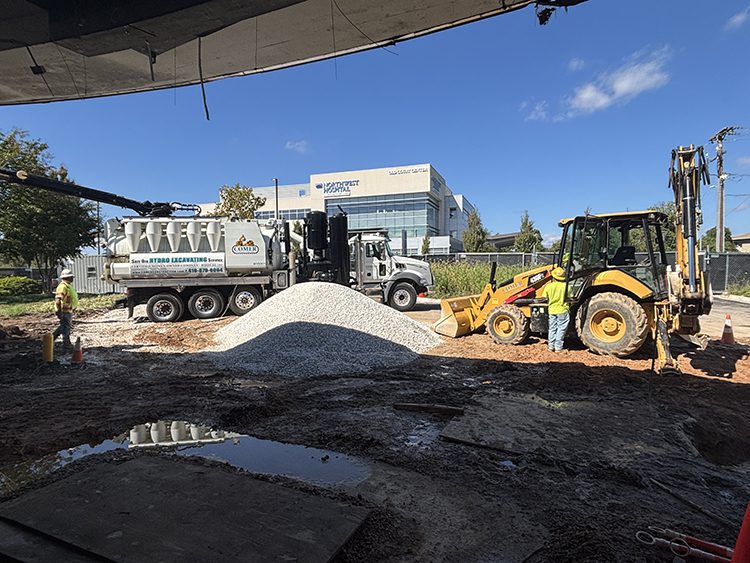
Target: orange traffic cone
77	352
727	337
742	547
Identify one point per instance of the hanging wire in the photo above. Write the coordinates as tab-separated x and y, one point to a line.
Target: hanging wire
333	35
355	26
741	206
41	74
72	78
174	79
200	74
85	77
255	66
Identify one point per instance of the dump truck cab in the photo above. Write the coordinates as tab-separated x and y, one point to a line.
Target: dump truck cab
375	269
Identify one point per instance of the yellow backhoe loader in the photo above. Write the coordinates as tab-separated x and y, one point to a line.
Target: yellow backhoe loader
618	296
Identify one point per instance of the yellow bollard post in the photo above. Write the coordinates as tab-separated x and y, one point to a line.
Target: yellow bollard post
48	348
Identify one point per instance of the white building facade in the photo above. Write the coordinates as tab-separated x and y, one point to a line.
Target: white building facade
415	199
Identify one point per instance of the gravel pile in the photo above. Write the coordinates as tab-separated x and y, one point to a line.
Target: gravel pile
318	329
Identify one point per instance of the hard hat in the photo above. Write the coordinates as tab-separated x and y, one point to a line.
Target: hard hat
66	274
559	274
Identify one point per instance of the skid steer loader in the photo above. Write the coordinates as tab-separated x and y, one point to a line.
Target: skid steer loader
618	297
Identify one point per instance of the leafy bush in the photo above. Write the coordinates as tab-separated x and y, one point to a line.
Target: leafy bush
455	279
19	285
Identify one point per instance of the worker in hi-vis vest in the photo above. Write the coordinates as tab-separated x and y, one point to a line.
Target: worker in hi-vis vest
558	310
66	301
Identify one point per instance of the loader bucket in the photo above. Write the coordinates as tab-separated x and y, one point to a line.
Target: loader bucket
457	318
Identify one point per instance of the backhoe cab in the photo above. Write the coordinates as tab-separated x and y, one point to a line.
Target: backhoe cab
618	281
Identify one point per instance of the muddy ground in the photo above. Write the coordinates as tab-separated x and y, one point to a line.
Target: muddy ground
580	494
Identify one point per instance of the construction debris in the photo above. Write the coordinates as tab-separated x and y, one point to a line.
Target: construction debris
320	329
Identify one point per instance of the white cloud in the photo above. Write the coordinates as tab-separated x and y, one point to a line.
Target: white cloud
537	113
548	239
640	73
737	20
297	146
575	64
744	161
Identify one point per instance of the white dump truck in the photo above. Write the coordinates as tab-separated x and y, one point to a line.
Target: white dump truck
210	265
376	269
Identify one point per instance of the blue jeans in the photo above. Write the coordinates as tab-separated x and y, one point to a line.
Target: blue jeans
558	324
66	322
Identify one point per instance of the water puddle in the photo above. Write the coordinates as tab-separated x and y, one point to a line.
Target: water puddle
267	457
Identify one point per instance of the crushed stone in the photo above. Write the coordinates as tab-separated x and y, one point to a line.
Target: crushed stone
318	328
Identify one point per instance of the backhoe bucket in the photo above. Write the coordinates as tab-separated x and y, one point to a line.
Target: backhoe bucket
456	318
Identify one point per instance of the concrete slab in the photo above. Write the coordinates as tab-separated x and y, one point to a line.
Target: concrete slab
156	509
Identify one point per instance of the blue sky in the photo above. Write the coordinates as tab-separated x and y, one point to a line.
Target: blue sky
582	112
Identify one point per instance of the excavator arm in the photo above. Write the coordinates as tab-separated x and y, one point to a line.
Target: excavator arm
144	208
688	286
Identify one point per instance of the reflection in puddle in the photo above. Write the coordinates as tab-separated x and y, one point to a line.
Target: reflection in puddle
317	466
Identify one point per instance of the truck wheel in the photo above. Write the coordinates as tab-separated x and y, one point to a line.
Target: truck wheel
612	323
244	298
206	304
508	325
164	308
403	297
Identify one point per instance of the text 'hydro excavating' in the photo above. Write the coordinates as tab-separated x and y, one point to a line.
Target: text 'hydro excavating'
618	296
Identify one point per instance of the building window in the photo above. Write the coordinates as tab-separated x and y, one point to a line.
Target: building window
452	212
91	272
286	214
454	234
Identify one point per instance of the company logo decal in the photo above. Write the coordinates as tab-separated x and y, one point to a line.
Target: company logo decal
537	277
244	246
338	188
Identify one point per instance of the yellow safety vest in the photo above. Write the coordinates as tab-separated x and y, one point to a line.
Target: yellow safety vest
66	297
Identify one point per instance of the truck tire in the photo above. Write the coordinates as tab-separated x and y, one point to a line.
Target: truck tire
508	325
243	299
403	297
206	304
164	308
612	323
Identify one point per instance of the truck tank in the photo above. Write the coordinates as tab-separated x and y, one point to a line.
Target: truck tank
179	247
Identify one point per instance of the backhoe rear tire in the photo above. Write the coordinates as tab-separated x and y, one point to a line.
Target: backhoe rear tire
612	324
508	325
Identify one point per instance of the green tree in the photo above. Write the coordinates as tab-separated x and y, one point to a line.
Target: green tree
39	228
475	235
529	239
667	230
708	241
297	228
238	201
425	244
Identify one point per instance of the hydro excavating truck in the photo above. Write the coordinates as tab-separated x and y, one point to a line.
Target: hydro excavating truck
208	265
618	297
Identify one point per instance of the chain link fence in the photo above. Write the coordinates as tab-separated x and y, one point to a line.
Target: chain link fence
727	271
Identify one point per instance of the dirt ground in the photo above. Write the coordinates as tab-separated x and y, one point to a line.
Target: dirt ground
615	432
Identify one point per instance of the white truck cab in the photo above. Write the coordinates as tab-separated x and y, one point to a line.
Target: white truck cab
376	269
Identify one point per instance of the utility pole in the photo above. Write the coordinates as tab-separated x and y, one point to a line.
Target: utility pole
718	139
276	184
